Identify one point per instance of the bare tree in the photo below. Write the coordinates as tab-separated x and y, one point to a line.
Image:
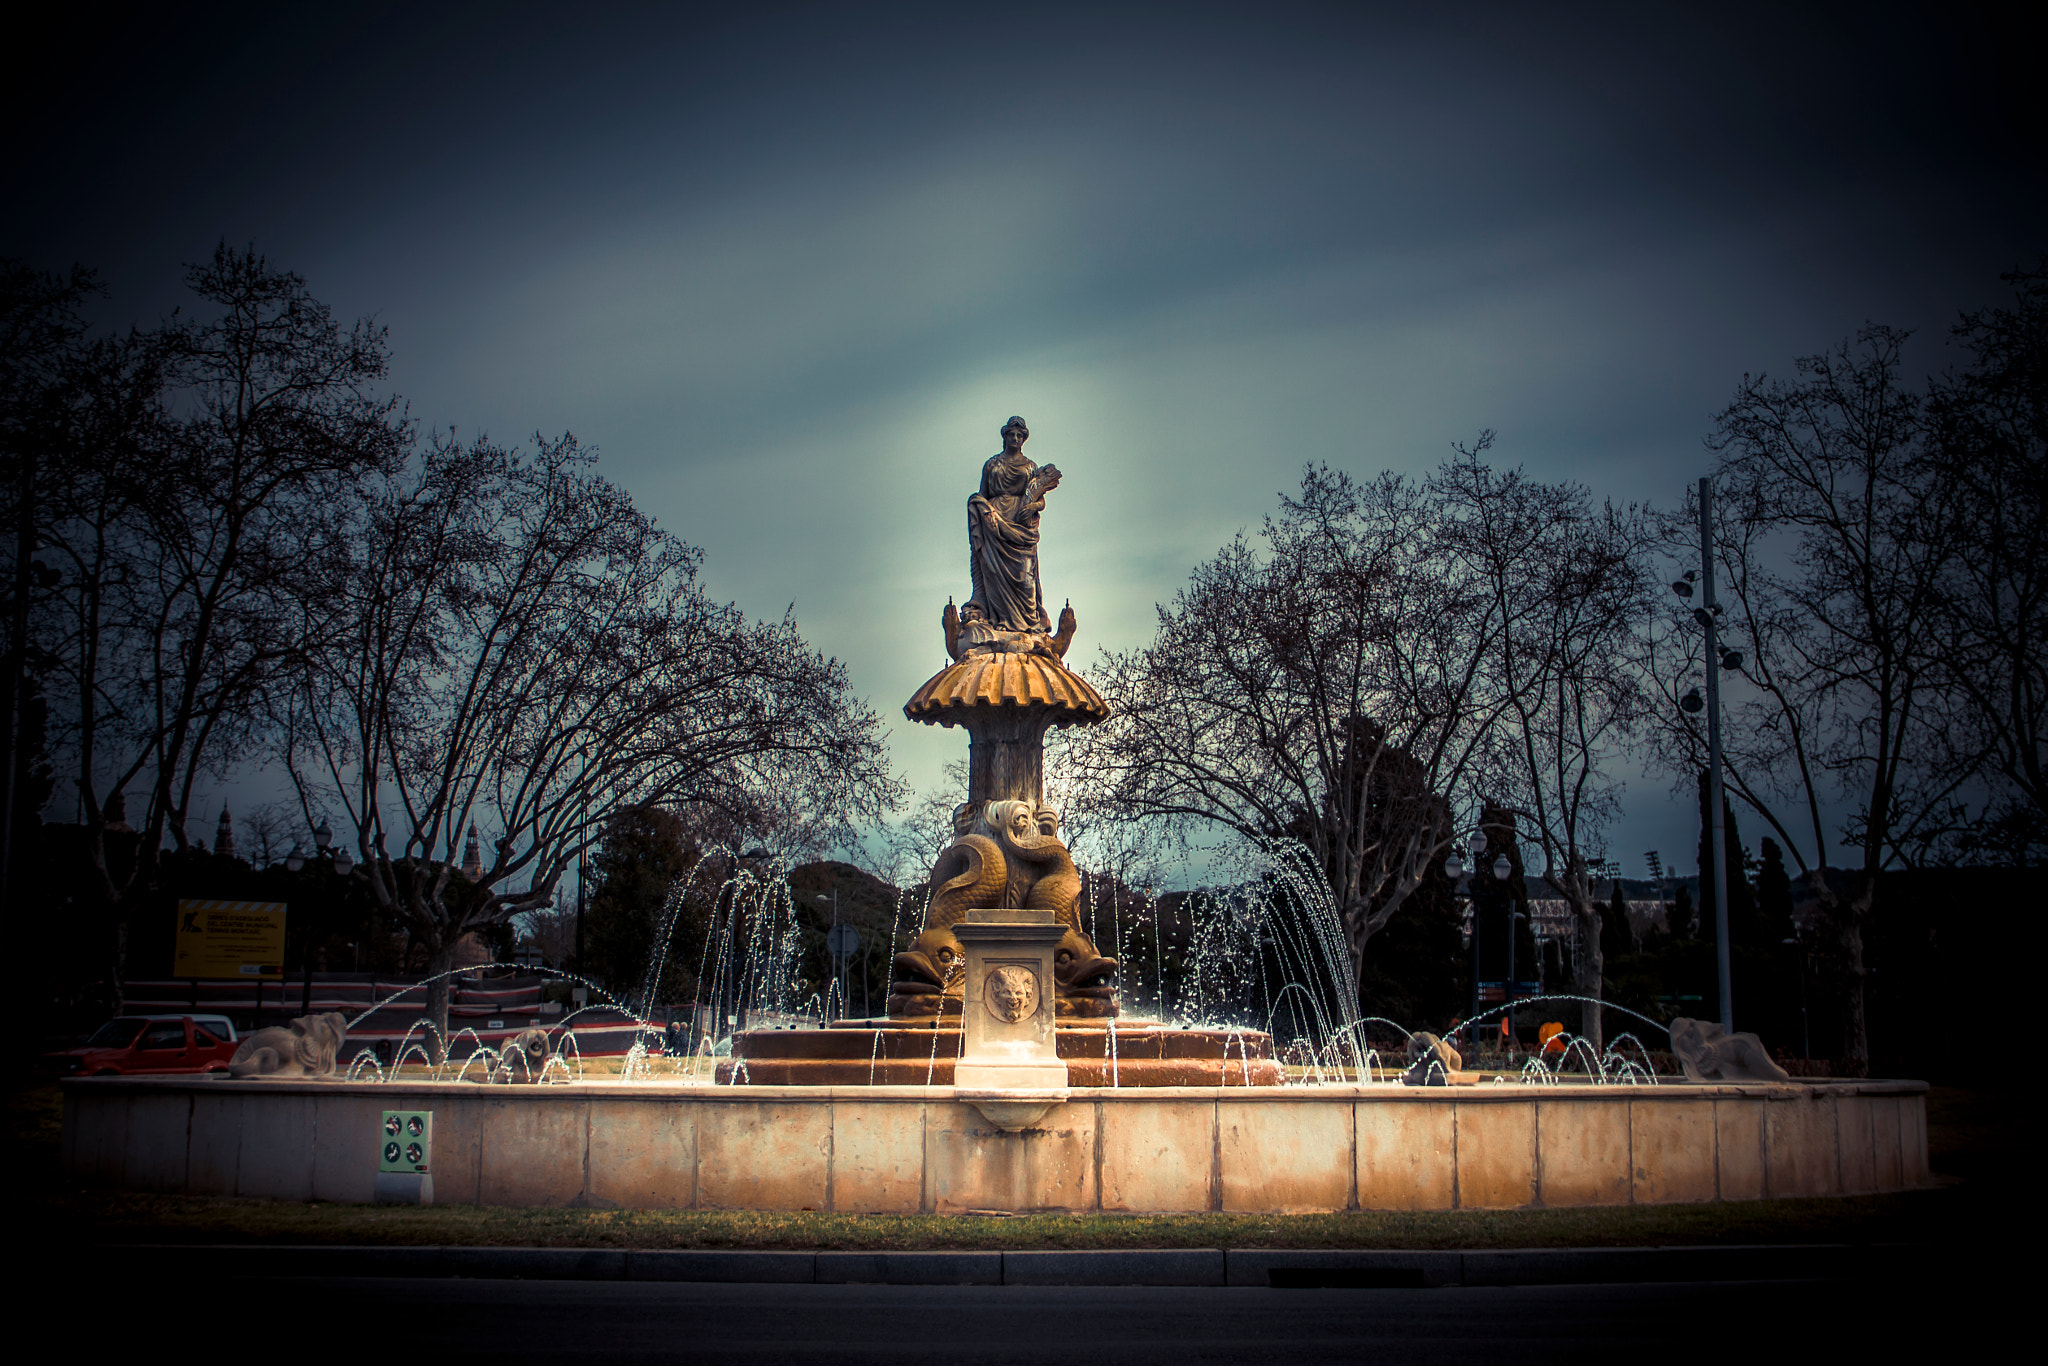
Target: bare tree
1829	542
1573	579
903	851
266	833
511	645
42	338
180	527
1329	685
553	934
1988	453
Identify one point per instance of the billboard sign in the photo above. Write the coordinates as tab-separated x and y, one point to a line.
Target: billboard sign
229	939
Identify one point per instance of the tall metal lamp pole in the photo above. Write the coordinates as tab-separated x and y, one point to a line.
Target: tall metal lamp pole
1706	615
1717	660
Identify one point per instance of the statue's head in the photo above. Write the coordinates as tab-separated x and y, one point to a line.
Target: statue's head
533	1043
1015	434
1694	1038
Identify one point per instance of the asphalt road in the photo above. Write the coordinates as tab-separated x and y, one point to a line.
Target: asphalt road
403	1322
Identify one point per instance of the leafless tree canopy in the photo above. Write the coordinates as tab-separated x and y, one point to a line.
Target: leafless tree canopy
504	641
1571	580
1988	454
177	513
1383	650
1833	542
248	554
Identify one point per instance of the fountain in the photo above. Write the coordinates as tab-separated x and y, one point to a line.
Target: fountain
1007	686
1005	1075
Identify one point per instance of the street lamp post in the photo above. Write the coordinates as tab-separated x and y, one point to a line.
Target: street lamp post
1461	887
340	864
1707	614
1508	1019
1454	868
1805	1025
832	951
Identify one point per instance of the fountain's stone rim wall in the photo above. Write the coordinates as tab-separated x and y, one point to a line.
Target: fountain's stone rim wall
1670	1088
918	1150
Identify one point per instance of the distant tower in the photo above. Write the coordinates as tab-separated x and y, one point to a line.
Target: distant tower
472	857
224	834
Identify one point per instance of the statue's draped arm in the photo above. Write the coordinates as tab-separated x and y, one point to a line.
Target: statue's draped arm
1005	555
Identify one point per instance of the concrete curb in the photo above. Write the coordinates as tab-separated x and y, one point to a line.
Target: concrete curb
1278	1268
910	1268
1137	1266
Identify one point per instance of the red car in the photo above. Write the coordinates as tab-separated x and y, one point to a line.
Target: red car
149	1043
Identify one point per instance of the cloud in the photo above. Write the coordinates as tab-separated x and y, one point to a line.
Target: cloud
790	268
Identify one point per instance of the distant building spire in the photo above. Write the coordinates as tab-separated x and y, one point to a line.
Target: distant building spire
472	857
224	834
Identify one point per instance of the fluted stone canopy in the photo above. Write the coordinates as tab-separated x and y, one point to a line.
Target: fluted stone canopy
1025	682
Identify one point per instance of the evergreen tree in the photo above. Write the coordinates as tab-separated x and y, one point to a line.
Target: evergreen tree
1416	968
1617	933
1774	891
1685	917
645	851
1743	926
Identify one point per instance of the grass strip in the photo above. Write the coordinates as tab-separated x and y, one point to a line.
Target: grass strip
100	1217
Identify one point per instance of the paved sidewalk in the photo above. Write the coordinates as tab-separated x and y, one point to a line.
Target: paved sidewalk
1277	1268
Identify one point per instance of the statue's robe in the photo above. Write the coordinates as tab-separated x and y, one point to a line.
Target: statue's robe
1002	534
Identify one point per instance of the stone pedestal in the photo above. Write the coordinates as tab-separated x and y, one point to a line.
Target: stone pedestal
1009	1067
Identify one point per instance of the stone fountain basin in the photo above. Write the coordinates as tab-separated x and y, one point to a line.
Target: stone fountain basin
921	1052
924	1149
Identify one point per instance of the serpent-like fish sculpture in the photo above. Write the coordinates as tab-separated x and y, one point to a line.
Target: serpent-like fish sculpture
1004	853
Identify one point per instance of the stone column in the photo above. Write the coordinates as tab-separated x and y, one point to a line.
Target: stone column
1006	754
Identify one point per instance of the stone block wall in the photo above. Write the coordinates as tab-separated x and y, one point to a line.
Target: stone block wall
915	1149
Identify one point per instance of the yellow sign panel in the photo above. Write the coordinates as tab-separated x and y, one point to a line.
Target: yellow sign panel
230	939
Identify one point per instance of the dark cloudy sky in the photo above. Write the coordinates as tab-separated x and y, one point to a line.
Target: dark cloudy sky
789	267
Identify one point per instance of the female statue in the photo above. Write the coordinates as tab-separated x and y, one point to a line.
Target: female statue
1007	685
1002	532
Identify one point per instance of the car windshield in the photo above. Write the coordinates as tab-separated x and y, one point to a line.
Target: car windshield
115	1034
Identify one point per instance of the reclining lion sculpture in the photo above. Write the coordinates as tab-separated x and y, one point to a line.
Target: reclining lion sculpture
307	1047
1431	1060
1707	1054
523	1059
